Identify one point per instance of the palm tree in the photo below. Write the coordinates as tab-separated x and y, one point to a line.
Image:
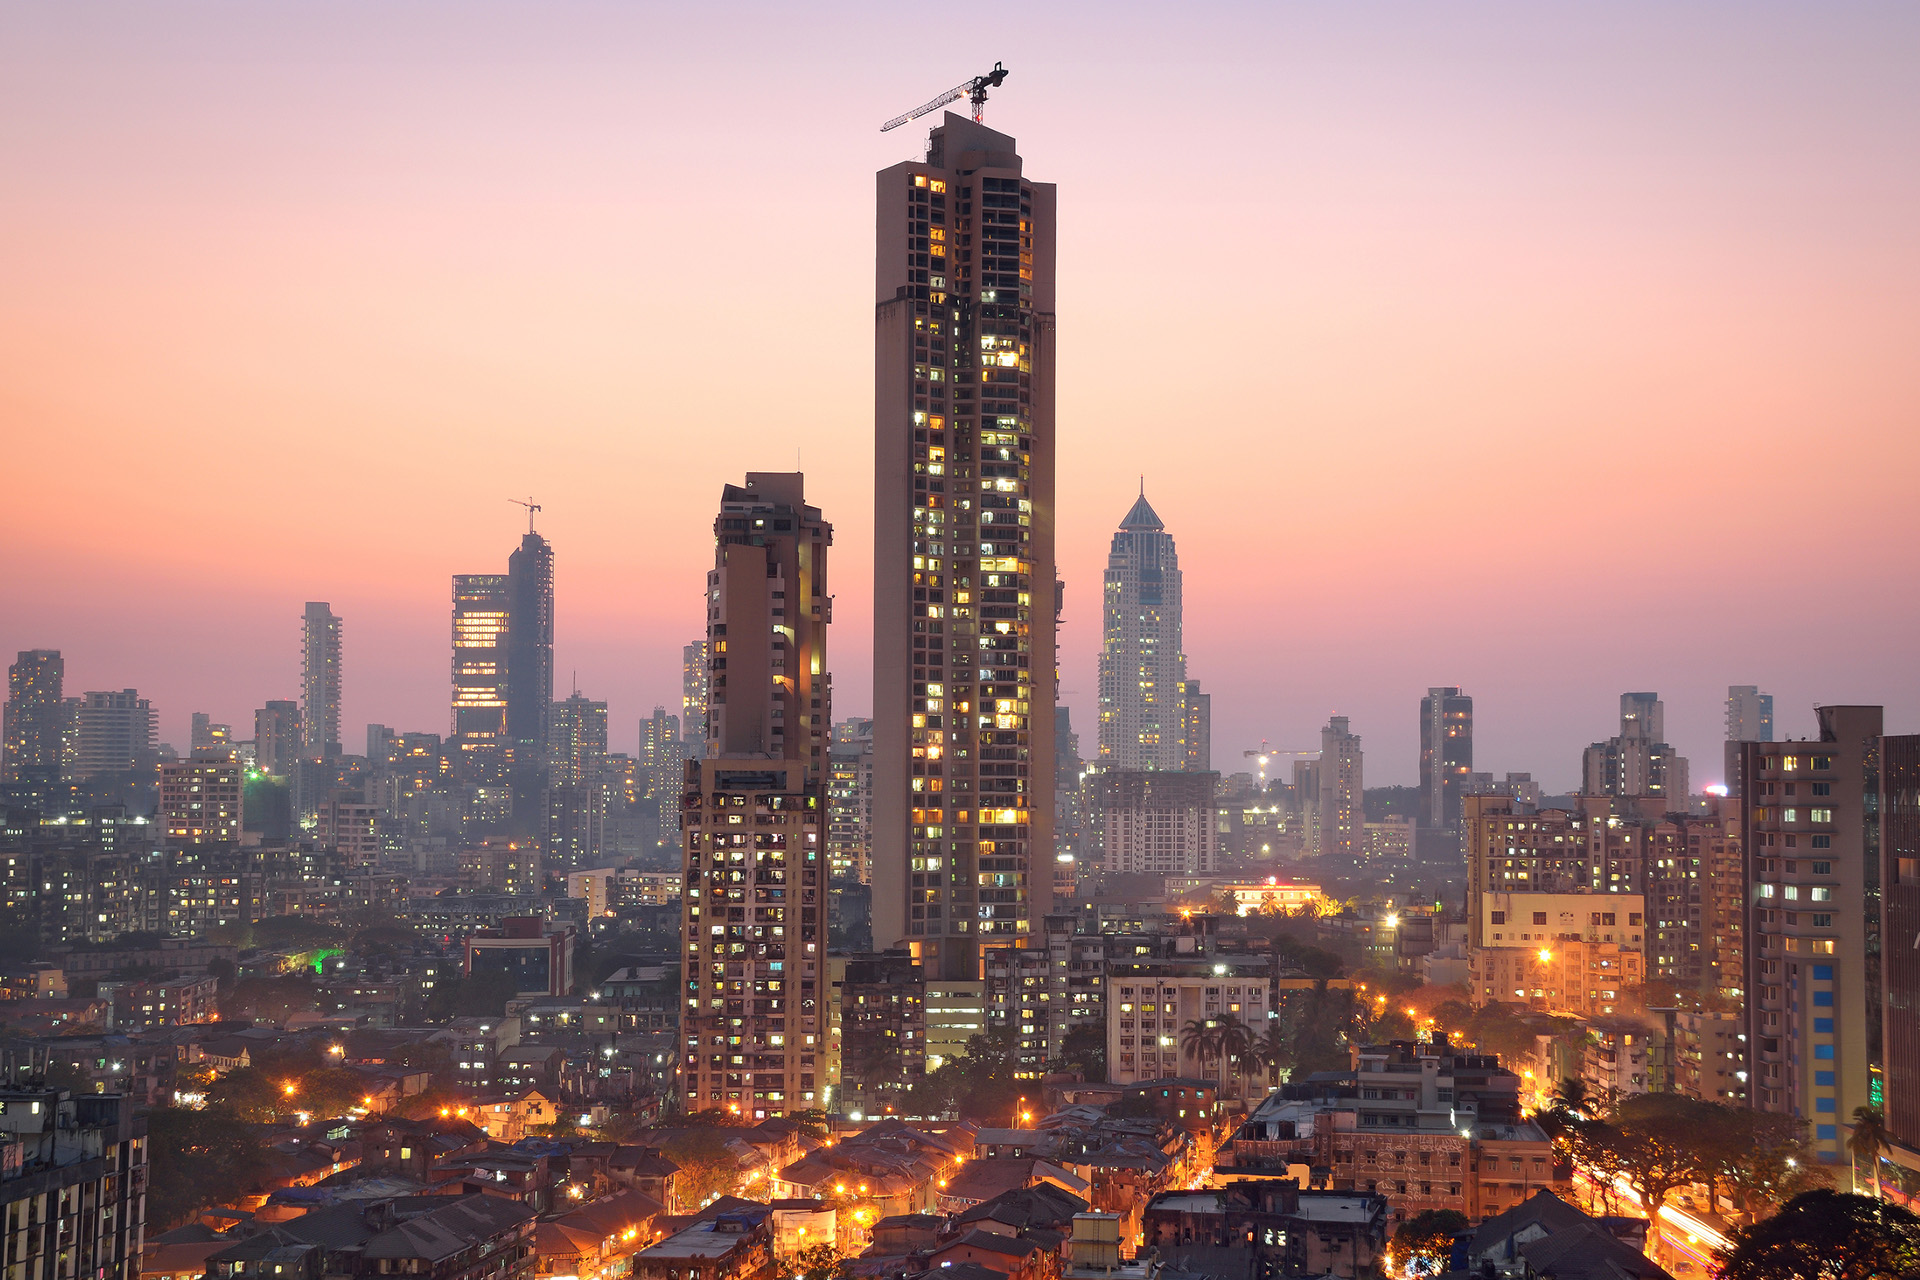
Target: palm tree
1868	1139
1200	1039
1572	1097
1271	1049
1234	1041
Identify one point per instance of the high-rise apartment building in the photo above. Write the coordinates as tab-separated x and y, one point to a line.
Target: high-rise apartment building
693	696
115	732
276	737
200	802
1070	844
1143	670
850	802
661	754
1639	761
503	678
578	792
1159	822
1749	719
35	718
965	596
320	682
1446	754
754	1025
1196	734
1342	817
1900	925
1811	819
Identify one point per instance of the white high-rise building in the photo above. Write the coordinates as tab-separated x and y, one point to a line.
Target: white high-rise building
1142	668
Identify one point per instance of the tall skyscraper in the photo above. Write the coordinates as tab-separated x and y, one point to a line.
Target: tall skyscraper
503	677
693	696
755	1023
661	753
964	584
529	675
1446	754
578	791
1639	761
1142	668
35	718
481	608
1749	719
1811	836
1900	925
116	732
320	682
1343	820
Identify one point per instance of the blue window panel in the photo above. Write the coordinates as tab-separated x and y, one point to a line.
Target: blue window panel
1823	999
1829	1157
1824	1077
1824	1052
1824	1105
1823	973
1823	1026
1827	1132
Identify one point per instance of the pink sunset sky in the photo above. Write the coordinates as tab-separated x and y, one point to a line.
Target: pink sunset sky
1547	350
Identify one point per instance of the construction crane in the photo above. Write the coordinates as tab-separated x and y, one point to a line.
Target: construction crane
974	90
1265	754
531	507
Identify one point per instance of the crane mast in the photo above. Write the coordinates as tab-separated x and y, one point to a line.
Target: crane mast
975	90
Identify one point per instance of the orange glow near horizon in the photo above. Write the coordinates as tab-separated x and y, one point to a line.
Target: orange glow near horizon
1479	332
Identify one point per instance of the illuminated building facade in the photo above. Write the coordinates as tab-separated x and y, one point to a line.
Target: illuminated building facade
1811	836
965	595
276	737
200	801
1158	822
503	680
320	682
1900	905
754	1025
693	696
1342	825
115	732
1142	669
1638	761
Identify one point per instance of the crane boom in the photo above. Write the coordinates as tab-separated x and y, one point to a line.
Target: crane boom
976	89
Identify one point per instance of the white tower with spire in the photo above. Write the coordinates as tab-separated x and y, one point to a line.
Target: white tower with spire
1142	667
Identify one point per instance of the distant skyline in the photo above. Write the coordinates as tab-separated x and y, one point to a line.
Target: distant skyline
1478	347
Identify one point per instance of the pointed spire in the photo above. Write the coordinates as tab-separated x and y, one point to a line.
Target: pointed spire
1142	515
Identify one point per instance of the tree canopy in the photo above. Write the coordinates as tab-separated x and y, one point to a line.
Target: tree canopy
1826	1235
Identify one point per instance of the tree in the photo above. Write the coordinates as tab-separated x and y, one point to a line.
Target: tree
1867	1141
198	1158
814	1262
1199	1040
1084	1049
1573	1100
707	1167
1271	1051
1665	1143
1428	1235
1826	1235
1233	1040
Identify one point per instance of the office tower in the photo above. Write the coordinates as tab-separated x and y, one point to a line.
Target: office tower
693	697
1158	822
1811	837
1343	829
1446	754
200	802
1196	734
481	609
1142	669
1900	925
320	682
754	917
965	604
530	675
1639	761
850	802
577	797
115	733
503	677
35	718
276	737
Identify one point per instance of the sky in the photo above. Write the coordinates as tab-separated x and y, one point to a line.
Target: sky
1550	351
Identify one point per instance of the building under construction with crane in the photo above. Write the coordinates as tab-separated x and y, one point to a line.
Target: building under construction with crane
965	600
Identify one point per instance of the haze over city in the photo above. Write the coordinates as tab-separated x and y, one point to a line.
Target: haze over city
1511	348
